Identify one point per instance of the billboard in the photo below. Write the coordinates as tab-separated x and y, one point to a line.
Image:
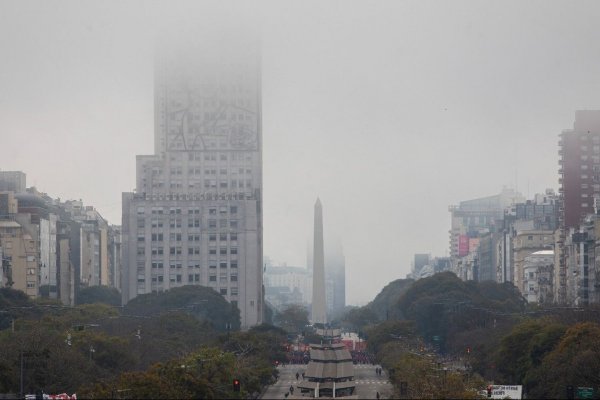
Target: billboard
463	245
507	392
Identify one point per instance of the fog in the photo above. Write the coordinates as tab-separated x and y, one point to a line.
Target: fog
389	111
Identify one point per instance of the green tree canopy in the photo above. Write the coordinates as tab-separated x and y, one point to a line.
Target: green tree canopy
200	301
292	319
99	294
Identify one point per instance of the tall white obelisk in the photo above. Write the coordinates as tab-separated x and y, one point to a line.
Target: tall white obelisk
319	309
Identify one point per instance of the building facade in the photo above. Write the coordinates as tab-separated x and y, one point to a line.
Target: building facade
196	215
579	189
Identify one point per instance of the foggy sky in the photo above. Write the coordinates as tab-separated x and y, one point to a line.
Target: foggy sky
389	111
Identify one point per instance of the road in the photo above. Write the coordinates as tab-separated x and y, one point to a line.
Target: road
368	383
287	378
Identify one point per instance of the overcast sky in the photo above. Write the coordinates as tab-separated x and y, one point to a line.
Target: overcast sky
389	111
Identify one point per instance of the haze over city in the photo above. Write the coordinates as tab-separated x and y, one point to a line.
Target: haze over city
387	111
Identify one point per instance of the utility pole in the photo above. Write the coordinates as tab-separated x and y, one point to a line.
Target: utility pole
22	395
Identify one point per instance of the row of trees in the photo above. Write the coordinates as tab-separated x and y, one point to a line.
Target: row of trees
489	331
178	344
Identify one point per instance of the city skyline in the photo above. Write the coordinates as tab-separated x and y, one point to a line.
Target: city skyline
434	113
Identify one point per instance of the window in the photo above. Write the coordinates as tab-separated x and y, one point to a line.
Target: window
212	264
233	224
223	264
234	292
233	278
140	210
212	223
212	237
234	264
223	251
141	223
212	251
233	236
212	211
212	278
233	250
222	223
233	209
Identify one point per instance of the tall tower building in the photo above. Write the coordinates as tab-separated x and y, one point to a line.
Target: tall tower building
196	215
319	307
579	185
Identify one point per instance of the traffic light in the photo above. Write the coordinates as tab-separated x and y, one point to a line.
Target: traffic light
236	385
489	391
570	392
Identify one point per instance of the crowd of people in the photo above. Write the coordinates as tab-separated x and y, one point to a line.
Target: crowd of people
362	357
298	357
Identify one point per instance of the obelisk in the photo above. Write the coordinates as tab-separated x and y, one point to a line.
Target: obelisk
319	309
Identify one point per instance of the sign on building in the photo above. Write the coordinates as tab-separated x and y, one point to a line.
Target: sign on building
507	391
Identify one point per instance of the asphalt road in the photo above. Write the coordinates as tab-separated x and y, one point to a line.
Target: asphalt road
368	383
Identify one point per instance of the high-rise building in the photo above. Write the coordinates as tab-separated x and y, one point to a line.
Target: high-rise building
579	171
196	215
335	278
579	185
13	181
471	221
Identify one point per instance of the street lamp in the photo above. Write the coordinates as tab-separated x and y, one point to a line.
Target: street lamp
92	350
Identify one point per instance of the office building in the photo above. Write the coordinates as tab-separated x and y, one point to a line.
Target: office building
195	217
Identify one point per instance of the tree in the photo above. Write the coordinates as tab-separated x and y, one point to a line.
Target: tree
99	294
293	318
360	318
574	360
200	301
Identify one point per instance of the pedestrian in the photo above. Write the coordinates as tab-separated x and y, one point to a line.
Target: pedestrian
303	375
377	395
297	375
